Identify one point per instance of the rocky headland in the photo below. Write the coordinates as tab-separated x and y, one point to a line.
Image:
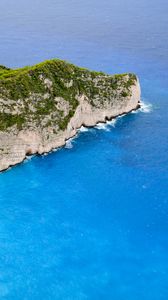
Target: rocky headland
41	107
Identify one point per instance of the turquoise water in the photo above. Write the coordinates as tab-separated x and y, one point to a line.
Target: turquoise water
90	221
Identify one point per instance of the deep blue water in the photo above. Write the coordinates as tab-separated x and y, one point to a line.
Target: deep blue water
90	221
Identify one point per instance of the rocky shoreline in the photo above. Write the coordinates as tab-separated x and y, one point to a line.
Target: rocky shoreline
107	102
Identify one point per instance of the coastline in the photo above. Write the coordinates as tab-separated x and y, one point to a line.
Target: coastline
71	137
48	112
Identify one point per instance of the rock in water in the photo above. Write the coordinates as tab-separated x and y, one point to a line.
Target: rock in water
44	105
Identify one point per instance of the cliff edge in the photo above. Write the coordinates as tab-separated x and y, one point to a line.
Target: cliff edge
44	105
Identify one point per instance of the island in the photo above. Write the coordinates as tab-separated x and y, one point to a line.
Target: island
44	105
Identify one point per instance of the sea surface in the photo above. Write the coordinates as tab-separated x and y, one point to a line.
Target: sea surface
90	221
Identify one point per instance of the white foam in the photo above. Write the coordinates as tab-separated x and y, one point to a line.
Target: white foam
46	153
135	111
102	126
28	157
83	129
121	116
112	122
145	107
69	144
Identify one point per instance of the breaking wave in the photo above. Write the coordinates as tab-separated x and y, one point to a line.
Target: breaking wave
145	107
69	144
102	126
83	129
112	122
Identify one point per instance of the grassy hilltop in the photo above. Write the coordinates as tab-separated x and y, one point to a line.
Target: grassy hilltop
30	95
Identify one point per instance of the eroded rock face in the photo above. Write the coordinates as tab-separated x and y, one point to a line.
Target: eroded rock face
36	123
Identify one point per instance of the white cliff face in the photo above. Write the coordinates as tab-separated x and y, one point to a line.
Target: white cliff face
15	144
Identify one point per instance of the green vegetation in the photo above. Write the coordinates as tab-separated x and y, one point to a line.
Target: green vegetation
8	120
55	78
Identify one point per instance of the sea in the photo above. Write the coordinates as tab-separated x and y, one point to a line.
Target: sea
90	221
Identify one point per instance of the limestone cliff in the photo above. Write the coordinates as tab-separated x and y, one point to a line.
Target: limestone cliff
44	105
